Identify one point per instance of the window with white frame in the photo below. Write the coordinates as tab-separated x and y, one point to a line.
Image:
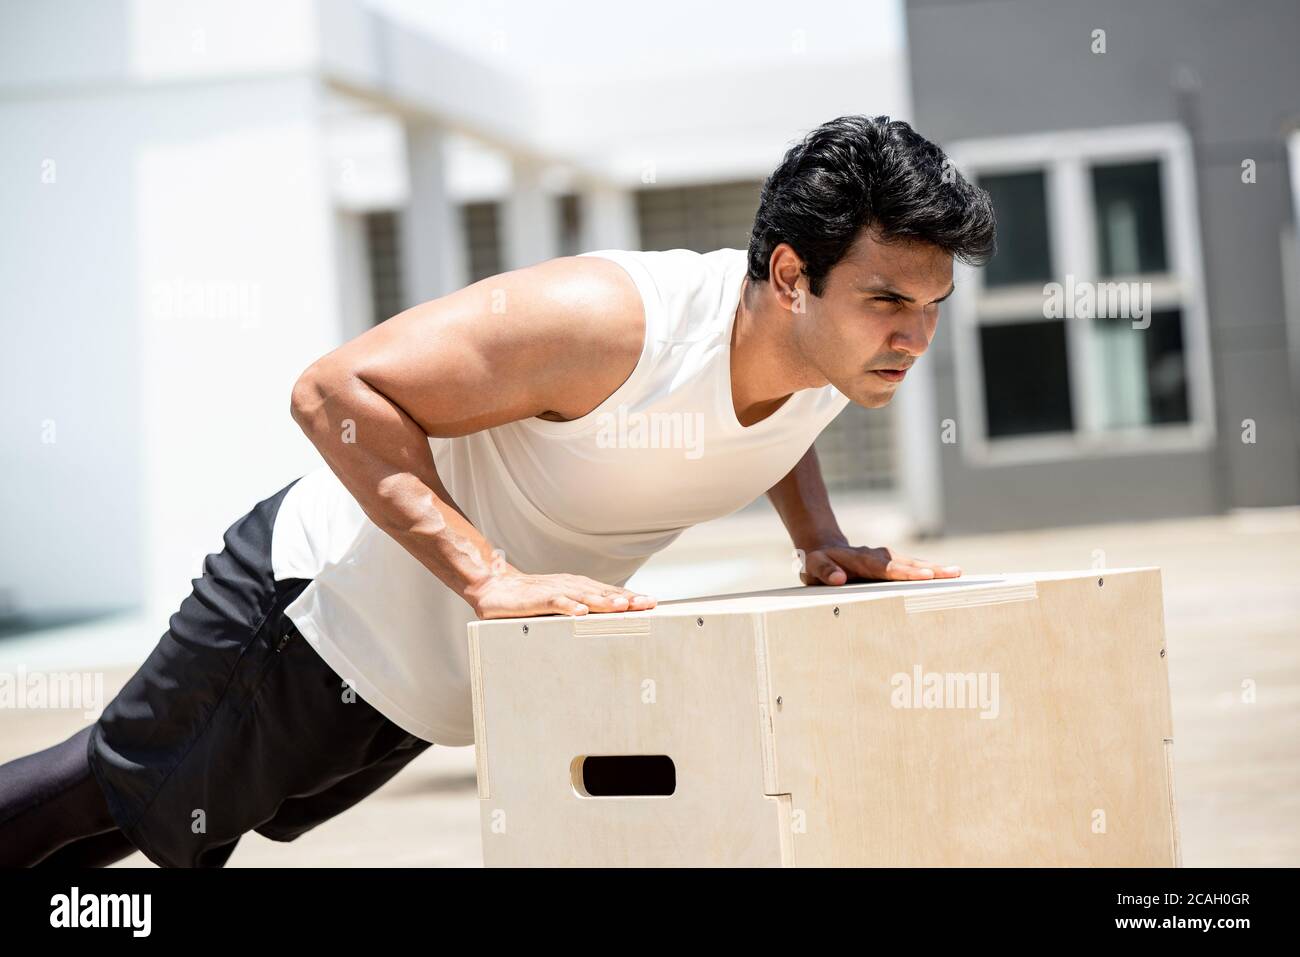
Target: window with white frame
1086	333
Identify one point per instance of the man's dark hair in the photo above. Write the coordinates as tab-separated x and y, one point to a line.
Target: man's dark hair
858	171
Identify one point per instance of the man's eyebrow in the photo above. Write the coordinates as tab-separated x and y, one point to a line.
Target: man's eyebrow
895	294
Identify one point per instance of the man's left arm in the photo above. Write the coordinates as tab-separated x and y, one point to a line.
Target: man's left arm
827	557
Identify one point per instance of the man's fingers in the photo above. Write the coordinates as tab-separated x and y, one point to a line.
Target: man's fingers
567	606
915	569
605	601
609	598
898	570
940	571
821	569
610	594
635	602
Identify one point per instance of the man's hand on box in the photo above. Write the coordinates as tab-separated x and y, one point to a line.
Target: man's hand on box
518	595
838	564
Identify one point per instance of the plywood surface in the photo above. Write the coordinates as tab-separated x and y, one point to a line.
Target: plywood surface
781	713
1061	760
551	696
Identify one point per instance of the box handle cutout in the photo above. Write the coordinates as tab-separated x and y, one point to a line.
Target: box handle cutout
624	775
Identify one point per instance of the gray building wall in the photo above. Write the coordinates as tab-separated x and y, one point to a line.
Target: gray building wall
1227	71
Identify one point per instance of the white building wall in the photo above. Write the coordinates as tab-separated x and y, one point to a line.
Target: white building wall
177	244
433	248
163	292
235	269
529	218
607	218
70	442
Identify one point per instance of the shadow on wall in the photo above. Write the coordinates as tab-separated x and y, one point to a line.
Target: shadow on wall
17	624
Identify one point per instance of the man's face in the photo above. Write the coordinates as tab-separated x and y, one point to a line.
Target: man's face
875	317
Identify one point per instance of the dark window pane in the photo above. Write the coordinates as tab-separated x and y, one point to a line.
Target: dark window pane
1024	251
702	218
1130	219
1026	378
383	245
570	217
1142	372
482	242
856	451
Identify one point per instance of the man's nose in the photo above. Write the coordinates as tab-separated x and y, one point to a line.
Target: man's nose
912	337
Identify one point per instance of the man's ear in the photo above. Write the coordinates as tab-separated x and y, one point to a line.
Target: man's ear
784	276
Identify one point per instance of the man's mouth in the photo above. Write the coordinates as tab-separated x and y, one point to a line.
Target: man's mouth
891	375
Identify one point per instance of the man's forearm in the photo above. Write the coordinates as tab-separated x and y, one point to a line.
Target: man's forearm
383	458
801	500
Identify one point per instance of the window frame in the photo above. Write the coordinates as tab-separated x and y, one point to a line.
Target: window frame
1065	158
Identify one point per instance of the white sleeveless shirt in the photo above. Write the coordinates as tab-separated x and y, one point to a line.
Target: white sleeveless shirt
594	496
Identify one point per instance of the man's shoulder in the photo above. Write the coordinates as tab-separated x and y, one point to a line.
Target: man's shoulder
683	288
679	259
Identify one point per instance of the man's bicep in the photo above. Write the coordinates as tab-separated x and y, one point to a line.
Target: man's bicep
505	348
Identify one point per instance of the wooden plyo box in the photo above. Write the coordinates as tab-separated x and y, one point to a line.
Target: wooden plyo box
997	721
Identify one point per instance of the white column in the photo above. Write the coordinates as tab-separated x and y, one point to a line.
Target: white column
529	218
356	300
608	218
234	259
917	435
1291	272
433	240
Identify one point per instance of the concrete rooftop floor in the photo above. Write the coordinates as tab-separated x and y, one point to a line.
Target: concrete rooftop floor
1232	613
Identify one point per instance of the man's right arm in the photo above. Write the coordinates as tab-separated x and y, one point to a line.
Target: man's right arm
557	338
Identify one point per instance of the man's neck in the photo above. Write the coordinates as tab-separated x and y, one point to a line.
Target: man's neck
766	367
